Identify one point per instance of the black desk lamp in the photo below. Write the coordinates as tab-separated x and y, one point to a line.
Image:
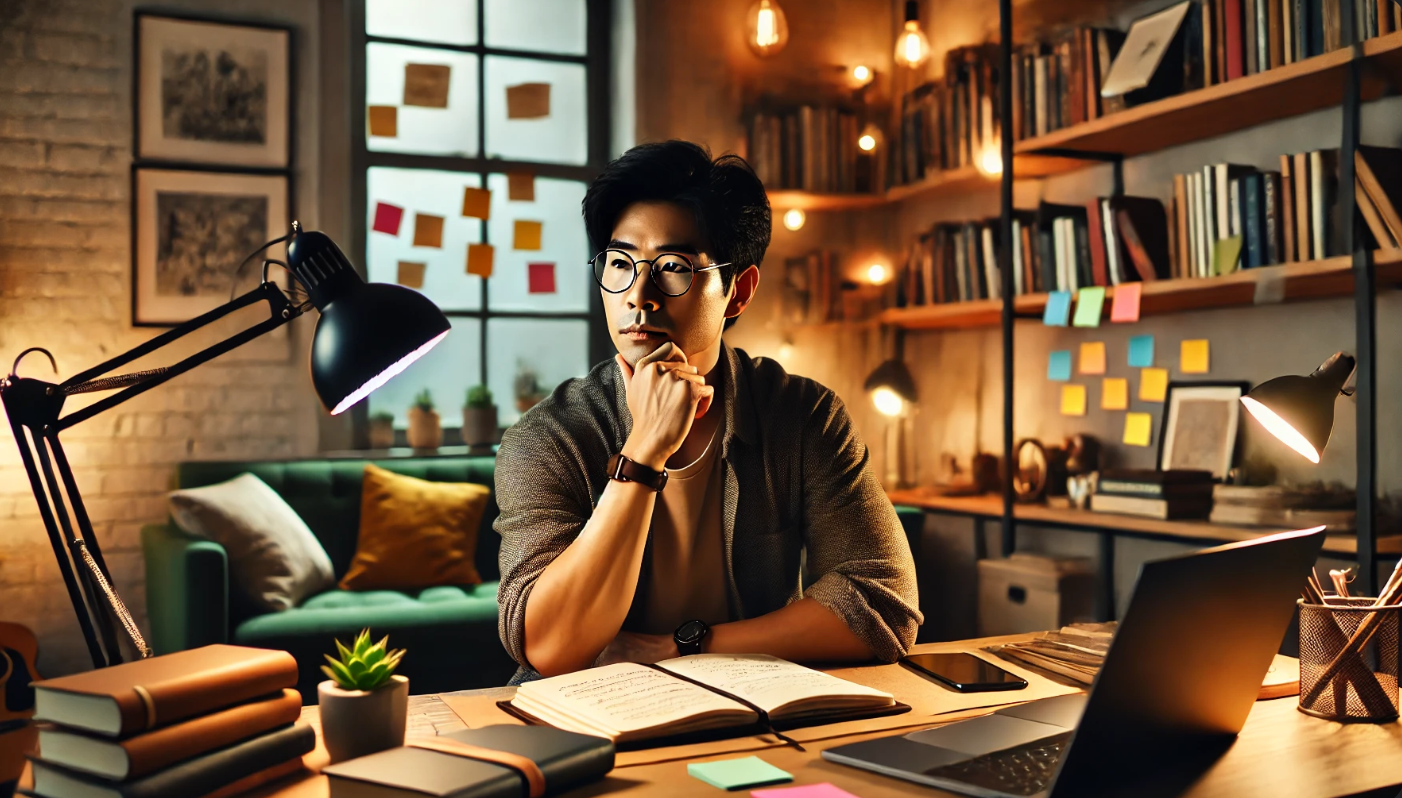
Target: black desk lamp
367	333
1300	410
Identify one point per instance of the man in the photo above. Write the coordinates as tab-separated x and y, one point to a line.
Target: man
685	497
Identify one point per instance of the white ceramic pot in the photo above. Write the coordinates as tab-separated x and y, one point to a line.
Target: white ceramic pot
356	723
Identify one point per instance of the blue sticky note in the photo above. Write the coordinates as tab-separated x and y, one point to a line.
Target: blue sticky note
1089	304
1141	351
1058	312
738	774
1059	365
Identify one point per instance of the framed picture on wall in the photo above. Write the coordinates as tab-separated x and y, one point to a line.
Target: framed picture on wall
1200	424
212	92
191	230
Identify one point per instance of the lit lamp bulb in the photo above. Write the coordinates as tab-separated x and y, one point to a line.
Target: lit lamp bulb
767	29
861	74
870	138
887	401
876	273
1299	411
785	352
891	387
990	162
912	48
794	219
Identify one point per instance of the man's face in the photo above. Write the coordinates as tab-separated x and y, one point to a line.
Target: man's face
643	318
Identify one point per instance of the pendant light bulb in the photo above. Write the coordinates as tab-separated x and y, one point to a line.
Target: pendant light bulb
767	30
990	160
794	219
912	48
869	139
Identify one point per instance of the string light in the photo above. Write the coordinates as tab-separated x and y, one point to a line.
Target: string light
870	138
767	28
990	163
861	74
876	273
912	48
794	219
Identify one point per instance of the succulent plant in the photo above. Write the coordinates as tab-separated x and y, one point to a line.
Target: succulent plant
382	417
479	396
424	401
363	666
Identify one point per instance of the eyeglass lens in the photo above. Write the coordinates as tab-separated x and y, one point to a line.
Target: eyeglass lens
615	271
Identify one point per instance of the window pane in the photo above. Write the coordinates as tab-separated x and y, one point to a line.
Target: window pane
416	191
563	245
554	350
434	131
447	371
518	25
561	137
446	21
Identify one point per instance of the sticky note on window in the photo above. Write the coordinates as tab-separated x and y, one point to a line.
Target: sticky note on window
1226	255
1058	312
1073	400
737	774
1114	393
387	218
1125	307
526	235
1089	303
540	278
476	202
1093	357
479	259
1141	351
426	85
384	120
1153	385
1137	428
520	187
411	275
1059	365
528	101
824	790
428	230
1193	356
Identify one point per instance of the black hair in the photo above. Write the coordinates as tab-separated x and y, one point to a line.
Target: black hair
726	198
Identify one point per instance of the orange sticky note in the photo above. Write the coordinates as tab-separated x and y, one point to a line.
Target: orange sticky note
1137	428
1114	393
477	202
528	101
1125	307
411	275
526	235
1153	385
1193	356
1092	357
479	259
520	187
384	120
426	85
1073	400
428	230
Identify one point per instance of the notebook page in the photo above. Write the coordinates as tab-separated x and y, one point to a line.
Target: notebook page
627	697
771	683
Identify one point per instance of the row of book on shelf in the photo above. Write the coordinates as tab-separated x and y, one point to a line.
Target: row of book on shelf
811	148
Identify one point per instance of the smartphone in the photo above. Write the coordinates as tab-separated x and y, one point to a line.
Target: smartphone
964	672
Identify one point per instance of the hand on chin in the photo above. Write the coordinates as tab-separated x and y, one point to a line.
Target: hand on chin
634	350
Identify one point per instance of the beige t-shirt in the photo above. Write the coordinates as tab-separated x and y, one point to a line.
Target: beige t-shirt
688	558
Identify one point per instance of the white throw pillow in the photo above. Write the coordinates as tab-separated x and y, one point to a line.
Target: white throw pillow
273	557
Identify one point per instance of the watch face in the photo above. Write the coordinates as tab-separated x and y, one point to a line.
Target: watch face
691	631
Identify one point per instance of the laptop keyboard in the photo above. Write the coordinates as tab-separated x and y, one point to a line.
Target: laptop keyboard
1021	770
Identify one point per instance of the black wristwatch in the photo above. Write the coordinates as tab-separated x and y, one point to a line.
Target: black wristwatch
622	469
689	636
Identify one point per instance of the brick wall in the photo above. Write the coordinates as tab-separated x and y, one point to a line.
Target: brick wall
65	274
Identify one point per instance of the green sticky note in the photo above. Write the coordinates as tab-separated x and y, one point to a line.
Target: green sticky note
738	774
1089	302
1226	255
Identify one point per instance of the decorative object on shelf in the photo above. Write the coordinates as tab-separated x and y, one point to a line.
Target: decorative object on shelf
987	472
766	28
382	430
364	704
794	219
1080	488
527	387
425	431
1030	476
1082	454
912	48
479	417
1200	424
1149	64
1300	410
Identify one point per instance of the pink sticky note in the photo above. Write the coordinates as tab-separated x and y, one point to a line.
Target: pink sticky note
823	790
1126	305
540	278
387	218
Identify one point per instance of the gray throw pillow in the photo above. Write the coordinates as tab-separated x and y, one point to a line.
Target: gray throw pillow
273	557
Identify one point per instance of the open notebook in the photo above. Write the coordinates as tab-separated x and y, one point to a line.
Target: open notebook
723	694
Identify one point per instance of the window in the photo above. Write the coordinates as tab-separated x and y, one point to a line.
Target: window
453	104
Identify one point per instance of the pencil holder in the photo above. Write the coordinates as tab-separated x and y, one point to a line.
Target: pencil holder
1363	686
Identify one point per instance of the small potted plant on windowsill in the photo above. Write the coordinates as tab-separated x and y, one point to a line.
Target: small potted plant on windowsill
364	704
424	430
479	417
527	388
382	430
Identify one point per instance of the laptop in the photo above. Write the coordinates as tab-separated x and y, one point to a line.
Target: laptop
1182	673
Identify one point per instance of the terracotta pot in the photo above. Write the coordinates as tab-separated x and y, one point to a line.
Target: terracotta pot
424	429
356	723
479	425
381	434
524	403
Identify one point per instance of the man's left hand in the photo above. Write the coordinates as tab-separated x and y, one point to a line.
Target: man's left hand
640	648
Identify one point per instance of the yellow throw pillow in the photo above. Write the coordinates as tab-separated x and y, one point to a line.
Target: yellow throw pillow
415	533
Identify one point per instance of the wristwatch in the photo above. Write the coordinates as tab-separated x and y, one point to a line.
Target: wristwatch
624	470
689	637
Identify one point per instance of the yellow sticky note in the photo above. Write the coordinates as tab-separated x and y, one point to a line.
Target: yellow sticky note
479	259
428	230
1193	356
411	275
1153	385
1137	428
528	101
526	235
1073	400
477	203
384	121
1092	357
1114	393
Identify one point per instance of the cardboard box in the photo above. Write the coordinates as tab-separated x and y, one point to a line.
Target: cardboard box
1030	593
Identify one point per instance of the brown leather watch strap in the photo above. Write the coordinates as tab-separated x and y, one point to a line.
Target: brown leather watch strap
622	469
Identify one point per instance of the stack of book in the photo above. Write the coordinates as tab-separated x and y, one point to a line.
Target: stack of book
811	289
952	263
1285	507
810	148
1108	241
217	720
1165	495
1056	84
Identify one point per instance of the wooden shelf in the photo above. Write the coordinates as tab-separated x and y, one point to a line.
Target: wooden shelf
780	201
990	506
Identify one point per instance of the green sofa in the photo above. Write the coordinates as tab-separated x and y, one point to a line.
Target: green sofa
450	633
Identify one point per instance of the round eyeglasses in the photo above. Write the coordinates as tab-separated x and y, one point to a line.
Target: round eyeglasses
616	270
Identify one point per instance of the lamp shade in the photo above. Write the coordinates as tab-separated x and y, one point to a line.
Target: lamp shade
1300	410
368	332
891	387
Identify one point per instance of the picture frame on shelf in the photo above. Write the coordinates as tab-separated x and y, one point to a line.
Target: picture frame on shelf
1200	426
212	92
